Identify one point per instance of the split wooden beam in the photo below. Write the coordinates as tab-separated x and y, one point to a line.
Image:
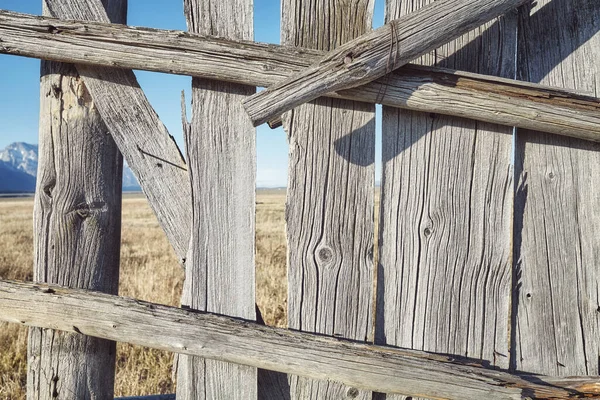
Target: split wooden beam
359	365
377	53
221	148
475	96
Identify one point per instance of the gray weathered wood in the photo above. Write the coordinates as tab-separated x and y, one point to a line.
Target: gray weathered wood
142	138
557	208
474	96
157	397
77	218
233	340
221	150
444	279
376	54
329	214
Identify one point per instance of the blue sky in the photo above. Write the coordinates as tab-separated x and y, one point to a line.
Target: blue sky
19	83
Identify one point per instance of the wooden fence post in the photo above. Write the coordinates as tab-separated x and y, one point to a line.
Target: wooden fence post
444	273
557	202
329	213
221	148
77	218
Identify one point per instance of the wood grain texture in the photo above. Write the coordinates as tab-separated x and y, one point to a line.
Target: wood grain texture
77	218
329	214
233	340
221	150
430	89
557	208
377	53
444	277
142	138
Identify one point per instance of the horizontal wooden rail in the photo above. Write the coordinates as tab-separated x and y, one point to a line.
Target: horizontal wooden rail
377	53
479	97
216	337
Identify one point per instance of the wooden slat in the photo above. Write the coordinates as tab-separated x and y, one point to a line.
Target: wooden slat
481	97
444	279
373	55
221	151
233	340
77	218
142	138
329	213
557	210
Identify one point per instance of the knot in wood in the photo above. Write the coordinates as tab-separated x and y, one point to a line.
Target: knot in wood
352	393
325	255
83	213
54	30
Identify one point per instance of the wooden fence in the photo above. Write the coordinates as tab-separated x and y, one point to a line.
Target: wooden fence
486	284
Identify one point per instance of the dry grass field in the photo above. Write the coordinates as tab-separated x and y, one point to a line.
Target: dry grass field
149	271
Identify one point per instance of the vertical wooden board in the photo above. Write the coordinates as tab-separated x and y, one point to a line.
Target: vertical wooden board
77	218
557	201
221	151
444	272
329	213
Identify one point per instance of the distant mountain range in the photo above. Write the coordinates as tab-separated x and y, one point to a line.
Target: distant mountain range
18	170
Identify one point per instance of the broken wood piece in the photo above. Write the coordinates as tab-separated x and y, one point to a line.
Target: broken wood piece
475	96
377	53
363	366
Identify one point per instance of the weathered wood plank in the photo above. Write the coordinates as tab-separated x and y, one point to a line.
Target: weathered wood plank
142	138
557	210
77	218
474	96
376	54
329	214
444	279
221	150
233	340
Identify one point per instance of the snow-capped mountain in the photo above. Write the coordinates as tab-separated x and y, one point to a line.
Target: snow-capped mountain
21	156
18	170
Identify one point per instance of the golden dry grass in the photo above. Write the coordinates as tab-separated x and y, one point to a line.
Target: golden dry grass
149	271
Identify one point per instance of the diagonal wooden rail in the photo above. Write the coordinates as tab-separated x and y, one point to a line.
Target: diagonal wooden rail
142	138
474	96
377	53
222	338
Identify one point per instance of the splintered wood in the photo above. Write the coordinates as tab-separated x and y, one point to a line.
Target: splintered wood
220	142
